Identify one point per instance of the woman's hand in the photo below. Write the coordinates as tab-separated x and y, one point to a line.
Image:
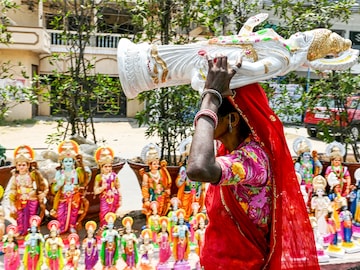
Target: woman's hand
220	75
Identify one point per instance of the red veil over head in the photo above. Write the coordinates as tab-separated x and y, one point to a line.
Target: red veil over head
292	244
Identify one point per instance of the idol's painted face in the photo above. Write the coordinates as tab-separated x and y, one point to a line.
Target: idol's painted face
68	163
106	168
154	165
22	167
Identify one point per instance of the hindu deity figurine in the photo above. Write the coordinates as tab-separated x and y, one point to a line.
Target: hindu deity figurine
34	246
265	55
334	249
54	247
173	218
109	252
154	221
89	245
2	214
129	241
84	176
181	245
72	255
11	249
146	251
319	243
348	244
320	203
67	185
193	222
107	184
307	164
156	183
200	235
26	190
188	191
354	201
337	173
164	245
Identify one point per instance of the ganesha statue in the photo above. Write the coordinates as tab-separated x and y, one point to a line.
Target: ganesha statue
264	54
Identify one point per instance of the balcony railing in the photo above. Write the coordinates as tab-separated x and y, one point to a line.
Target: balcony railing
99	40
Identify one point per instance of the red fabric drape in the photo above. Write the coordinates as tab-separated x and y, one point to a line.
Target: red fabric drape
292	244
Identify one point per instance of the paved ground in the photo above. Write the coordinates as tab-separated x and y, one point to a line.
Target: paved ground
127	140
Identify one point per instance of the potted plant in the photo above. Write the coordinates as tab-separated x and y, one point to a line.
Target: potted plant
169	116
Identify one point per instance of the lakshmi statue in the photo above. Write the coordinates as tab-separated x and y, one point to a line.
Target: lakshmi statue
181	245
307	164
129	251
72	254
54	247
193	222
34	242
156	183
109	253
89	244
200	235
146	251
26	190
107	184
11	249
336	173
320	204
188	191
164	245
68	187
265	54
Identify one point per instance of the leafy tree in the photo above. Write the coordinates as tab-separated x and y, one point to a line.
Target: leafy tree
334	91
75	91
169	111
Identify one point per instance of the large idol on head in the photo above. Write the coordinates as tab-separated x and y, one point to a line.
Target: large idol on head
265	55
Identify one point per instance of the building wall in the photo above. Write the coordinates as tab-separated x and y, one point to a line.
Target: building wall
27	59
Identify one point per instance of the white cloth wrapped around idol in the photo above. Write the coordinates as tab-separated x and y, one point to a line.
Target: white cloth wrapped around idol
264	53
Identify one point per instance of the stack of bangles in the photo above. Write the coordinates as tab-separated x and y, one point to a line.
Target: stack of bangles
206	112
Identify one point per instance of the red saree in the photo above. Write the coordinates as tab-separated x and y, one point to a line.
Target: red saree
291	243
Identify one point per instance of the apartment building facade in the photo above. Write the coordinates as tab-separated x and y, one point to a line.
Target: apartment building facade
33	41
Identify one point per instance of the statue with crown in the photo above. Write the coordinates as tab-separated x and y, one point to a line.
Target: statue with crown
26	191
264	55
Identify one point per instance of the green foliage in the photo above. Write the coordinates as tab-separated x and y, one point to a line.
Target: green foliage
305	15
169	114
334	90
76	91
5	6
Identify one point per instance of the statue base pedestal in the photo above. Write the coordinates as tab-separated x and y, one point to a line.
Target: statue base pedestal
335	251
182	265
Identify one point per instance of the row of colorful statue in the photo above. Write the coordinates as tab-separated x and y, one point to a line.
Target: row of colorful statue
335	217
136	252
28	191
333	201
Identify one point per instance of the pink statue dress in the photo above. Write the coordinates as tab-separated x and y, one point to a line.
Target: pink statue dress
91	252
107	184
164	245
11	250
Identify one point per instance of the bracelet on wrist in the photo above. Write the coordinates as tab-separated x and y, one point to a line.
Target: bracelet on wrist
206	112
213	92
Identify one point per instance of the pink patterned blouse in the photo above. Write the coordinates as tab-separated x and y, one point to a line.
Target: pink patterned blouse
247	170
